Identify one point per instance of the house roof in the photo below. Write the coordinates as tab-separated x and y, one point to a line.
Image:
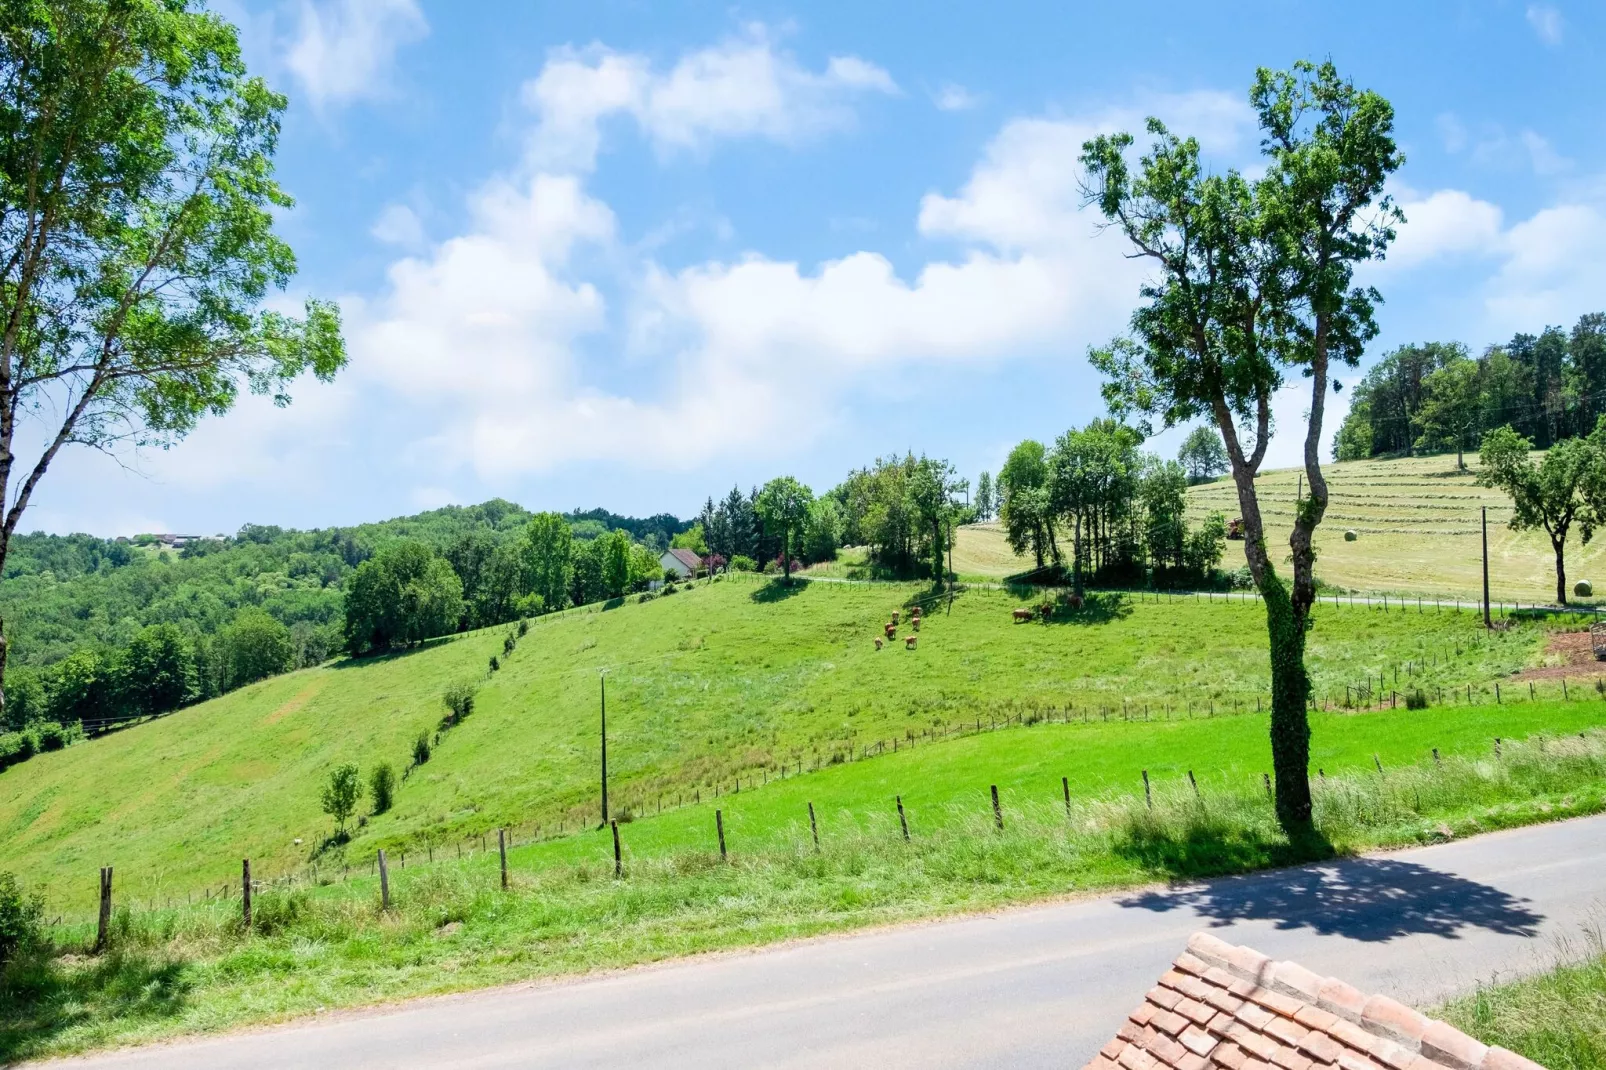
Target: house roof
686	557
1226	1006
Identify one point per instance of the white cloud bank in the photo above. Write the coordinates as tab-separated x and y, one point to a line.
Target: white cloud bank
343	49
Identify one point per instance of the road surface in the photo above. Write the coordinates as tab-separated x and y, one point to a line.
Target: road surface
1041	986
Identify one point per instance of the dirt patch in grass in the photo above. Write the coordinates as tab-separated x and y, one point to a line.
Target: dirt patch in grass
1566	654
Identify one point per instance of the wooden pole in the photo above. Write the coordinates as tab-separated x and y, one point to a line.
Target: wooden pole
603	680
1195	784
902	821
1065	782
102	933
1148	795
501	846
618	859
814	828
384	882
1487	623
245	892
998	811
719	826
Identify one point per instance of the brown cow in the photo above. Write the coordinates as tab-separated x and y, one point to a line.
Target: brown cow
1075	601
914	622
1046	609
878	644
894	618
1023	614
892	630
909	641
915	612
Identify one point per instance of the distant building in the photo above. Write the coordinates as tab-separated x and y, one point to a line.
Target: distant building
685	563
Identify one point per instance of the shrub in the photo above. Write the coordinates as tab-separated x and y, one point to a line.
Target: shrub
382	787
20	918
508	643
670	575
743	563
1584	589
339	797
669	588
421	749
524	626
1416	700
459	701
495	665
52	736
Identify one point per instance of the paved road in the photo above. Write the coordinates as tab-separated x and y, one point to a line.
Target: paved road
1044	986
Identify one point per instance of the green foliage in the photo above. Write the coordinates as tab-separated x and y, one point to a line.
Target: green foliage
822	535
459	702
252	648
743	563
1567	486
21	918
783	508
494	664
1202	454
1027	502
401	596
340	791
157	671
548	552
382	787
421	748
691	539
1205	545
985	505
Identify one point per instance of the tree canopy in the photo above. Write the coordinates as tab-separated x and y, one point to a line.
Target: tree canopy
1566	487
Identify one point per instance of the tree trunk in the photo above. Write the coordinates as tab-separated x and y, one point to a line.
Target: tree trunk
1076	553
1561	569
786	554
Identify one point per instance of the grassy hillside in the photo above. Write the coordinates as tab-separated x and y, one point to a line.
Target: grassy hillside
737	679
1417	521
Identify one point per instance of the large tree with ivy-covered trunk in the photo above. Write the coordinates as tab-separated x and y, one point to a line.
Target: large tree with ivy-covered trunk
1250	282
136	234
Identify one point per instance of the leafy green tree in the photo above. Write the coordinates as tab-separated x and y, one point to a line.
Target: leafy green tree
645	566
691	539
1567	486
137	202
1164	489
1202	454
1251	281
382	787
984	496
22	918
1452	409
81	688
932	486
585	580
340	792
1586	352
157	672
616	563
783	507
1205	545
26	699
822	536
253	648
1093	479
1353	439
1025	506
402	595
548	552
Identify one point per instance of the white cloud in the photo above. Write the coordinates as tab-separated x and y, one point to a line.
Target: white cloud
952	97
1554	269
399	225
343	49
1447	222
1546	22
743	87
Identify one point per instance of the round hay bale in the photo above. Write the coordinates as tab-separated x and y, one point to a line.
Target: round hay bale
1584	589
1351	535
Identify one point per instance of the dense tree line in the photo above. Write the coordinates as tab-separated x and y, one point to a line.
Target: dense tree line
1435	397
1115	513
103	628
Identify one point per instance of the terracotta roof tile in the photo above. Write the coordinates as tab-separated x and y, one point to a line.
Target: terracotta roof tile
1231	1007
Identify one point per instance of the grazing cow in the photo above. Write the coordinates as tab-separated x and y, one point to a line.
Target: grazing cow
1046	609
915	612
1075	601
894	618
892	630
1023	614
909	641
878	643
914	622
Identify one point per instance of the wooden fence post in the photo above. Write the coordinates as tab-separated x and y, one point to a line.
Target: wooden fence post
1195	784
719	826
1377	762
102	933
1065	782
814	828
1497	746
245	892
618	859
1148	795
501	846
384	882
1266	779
903	822
1436	757
998	811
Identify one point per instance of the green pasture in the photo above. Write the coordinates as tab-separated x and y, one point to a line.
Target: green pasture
736	682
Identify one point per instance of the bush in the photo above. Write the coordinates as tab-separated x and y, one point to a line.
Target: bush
459	702
52	736
669	589
495	665
382	787
1416	700
524	626
20	917
339	797
421	749
508	643
1584	589
743	563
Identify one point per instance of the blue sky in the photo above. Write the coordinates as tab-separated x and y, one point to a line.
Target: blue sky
631	254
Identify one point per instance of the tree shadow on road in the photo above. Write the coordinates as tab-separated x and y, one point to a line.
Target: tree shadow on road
1370	899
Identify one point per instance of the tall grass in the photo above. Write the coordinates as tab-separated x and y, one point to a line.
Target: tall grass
451	928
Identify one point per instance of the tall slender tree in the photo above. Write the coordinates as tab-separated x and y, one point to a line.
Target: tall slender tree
1251	281
783	506
137	201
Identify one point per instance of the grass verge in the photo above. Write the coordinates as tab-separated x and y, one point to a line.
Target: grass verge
1557	1019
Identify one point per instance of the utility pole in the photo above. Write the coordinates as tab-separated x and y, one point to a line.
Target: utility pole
1487	623
602	678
